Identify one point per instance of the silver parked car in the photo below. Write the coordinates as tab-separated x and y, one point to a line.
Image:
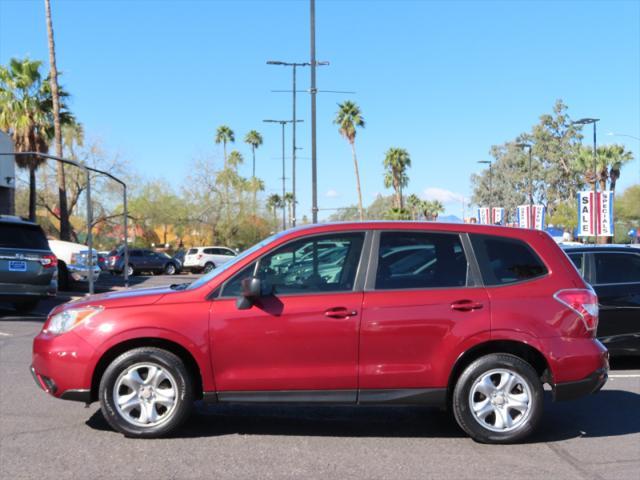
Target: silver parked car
28	268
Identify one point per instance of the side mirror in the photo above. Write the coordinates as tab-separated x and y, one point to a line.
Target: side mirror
251	290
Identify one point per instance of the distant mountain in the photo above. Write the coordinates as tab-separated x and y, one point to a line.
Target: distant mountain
449	219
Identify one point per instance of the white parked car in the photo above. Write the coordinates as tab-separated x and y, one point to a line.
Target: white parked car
73	263
205	259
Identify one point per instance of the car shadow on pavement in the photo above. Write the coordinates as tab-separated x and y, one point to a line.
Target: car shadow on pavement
588	417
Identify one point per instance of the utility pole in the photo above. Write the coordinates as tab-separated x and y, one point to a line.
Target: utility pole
284	187
314	160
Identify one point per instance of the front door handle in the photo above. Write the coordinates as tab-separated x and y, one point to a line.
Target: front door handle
466	305
339	312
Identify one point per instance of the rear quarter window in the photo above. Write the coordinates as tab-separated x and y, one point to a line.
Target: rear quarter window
16	235
505	261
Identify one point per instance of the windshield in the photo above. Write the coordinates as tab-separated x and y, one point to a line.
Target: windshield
221	268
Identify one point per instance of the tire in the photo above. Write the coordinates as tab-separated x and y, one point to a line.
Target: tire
26	306
143	415
63	276
130	271
170	269
208	267
519	402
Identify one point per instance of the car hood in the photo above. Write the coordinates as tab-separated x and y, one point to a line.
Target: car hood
123	298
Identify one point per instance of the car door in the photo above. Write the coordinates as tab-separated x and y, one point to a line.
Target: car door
419	297
301	341
616	280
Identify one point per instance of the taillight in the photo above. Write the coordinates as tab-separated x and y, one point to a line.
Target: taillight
584	302
48	261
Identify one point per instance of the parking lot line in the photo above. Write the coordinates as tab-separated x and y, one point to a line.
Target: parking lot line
630	375
5	334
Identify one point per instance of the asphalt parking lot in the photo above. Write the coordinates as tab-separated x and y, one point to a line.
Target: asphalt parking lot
41	437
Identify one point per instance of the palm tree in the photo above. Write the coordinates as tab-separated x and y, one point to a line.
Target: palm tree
24	115
224	135
254	139
431	209
235	159
65	226
396	161
414	203
274	202
255	185
349	118
289	200
609	160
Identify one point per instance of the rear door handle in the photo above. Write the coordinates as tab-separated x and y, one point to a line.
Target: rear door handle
466	305
340	312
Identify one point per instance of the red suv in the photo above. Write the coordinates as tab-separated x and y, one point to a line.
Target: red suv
476	318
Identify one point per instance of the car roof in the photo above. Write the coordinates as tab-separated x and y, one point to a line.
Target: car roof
16	219
600	248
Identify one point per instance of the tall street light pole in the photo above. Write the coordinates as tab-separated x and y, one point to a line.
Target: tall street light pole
294	65
284	187
314	163
490	189
531	217
587	121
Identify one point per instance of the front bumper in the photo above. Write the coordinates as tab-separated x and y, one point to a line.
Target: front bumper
80	273
572	390
61	365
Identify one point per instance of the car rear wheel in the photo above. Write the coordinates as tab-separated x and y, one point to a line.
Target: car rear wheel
208	267
146	392
498	399
170	269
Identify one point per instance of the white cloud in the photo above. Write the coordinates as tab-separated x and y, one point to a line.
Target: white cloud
331	193
442	194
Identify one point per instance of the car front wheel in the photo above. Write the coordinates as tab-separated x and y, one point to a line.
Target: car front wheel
170	269
146	392
498	399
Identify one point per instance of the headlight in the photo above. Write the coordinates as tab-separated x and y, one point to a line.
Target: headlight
64	321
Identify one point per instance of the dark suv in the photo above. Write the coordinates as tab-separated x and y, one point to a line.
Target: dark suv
614	273
28	270
143	260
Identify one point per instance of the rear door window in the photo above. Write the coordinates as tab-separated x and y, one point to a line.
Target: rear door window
416	260
506	260
616	267
22	236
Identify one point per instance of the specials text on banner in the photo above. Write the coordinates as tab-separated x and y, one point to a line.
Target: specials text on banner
525	218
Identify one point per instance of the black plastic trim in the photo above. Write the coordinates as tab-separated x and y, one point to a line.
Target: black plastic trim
290	396
580	388
404	396
79	395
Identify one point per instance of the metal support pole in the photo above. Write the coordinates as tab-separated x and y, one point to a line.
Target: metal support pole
313	91
126	239
531	216
89	236
284	204
490	196
595	183
293	153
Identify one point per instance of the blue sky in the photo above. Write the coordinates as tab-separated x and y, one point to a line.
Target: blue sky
445	80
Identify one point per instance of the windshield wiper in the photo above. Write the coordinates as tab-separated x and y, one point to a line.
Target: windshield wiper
179	286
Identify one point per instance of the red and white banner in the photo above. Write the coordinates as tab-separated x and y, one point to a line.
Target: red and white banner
525	218
497	217
595	214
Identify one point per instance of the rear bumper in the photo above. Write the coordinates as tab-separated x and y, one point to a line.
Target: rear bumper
80	273
572	390
14	292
